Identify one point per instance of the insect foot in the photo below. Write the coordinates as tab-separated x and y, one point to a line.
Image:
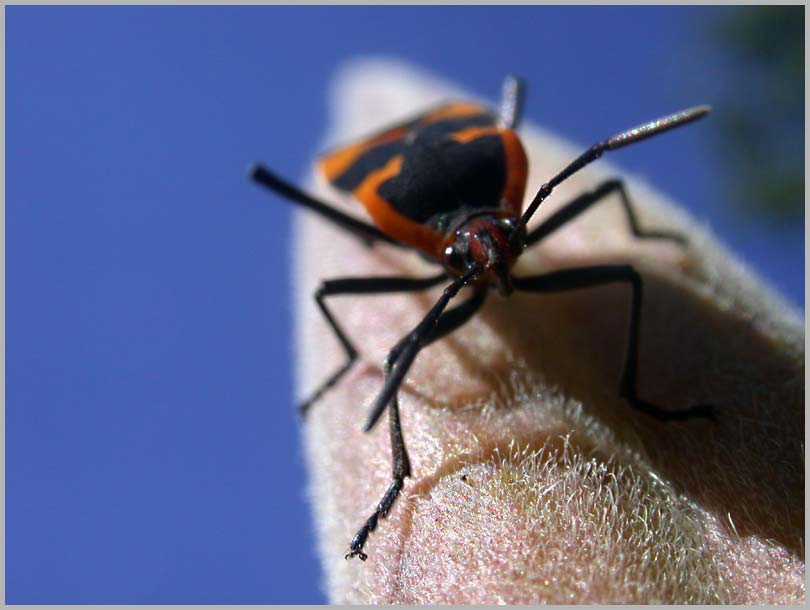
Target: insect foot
703	410
359	540
356	553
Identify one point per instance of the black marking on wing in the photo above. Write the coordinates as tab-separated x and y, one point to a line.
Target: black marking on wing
420	137
440	175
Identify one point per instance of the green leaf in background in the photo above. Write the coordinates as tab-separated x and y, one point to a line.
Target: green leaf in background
760	131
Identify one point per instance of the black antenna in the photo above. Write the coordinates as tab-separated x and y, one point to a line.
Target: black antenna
625	138
412	343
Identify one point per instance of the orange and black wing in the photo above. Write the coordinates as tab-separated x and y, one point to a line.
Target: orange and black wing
411	178
346	167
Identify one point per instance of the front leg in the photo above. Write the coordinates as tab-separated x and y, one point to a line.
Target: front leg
407	348
357	286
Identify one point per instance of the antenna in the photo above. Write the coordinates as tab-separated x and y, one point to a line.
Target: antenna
625	138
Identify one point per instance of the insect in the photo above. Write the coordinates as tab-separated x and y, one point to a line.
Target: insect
449	183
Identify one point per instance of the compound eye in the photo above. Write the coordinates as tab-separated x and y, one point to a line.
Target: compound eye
453	259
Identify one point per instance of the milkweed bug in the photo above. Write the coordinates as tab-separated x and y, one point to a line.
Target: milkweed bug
450	183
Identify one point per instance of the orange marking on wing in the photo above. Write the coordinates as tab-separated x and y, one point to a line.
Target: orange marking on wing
333	165
387	219
471	133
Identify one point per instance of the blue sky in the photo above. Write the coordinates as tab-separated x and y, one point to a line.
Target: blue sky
152	449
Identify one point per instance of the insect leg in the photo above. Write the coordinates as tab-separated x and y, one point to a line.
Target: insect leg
574	208
363	231
401	466
361	285
585	277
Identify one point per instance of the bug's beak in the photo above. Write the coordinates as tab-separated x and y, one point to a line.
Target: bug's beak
503	280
